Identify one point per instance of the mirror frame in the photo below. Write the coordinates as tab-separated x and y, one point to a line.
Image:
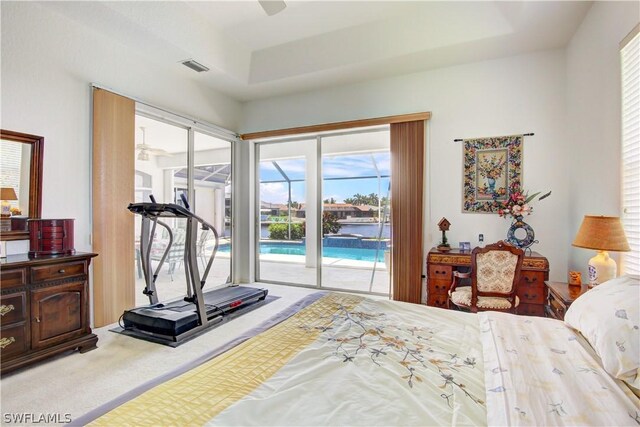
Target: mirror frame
35	178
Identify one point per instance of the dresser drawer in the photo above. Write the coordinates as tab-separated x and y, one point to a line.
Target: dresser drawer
13	340
439	286
58	271
13	308
531	309
13	278
532	293
440	272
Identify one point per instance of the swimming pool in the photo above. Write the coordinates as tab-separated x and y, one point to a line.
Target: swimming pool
358	254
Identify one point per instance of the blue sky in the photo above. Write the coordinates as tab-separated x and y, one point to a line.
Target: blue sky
352	166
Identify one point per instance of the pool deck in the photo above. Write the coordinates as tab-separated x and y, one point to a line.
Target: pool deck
337	273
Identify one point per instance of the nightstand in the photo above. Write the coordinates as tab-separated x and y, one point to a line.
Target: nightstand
561	295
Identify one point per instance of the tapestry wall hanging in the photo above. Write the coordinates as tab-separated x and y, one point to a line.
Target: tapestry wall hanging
491	167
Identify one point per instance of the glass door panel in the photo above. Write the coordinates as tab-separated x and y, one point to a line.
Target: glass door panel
355	212
160	156
212	203
286	249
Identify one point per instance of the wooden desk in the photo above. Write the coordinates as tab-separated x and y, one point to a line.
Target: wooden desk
531	289
561	295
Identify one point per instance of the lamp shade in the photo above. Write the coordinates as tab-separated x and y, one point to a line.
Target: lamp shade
8	193
602	233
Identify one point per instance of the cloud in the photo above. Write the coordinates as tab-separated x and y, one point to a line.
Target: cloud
278	192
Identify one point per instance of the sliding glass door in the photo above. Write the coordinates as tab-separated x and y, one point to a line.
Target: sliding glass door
355	212
286	243
323	205
173	159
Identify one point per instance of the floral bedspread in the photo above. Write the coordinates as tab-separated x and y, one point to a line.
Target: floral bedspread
375	363
349	360
537	372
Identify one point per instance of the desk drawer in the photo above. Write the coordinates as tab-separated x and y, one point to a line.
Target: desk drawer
13	340
13	308
438	300
13	278
531	310
531	278
440	287
532	293
441	272
58	271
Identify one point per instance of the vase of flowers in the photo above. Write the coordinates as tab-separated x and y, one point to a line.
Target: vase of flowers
516	207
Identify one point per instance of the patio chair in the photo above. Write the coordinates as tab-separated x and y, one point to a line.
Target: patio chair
495	273
205	240
175	257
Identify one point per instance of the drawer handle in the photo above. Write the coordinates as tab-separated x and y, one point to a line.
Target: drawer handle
530	279
440	272
6	341
527	296
37	319
61	271
4	309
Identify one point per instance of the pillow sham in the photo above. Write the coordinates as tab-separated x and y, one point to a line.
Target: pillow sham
608	316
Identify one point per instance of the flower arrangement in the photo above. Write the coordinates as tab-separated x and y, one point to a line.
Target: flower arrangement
493	167
518	203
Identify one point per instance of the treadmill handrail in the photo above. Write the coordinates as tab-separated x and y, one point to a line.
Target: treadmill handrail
153	211
166	251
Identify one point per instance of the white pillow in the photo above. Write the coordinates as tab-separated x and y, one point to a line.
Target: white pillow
608	316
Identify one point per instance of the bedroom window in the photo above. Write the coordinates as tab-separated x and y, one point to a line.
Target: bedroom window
630	66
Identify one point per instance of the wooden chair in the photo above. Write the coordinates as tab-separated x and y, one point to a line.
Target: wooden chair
495	273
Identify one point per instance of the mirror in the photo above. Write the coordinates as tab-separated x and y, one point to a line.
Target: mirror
20	182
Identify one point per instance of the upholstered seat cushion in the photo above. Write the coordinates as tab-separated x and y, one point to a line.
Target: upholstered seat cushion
462	296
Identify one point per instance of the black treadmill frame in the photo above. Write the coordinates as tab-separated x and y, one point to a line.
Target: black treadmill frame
151	212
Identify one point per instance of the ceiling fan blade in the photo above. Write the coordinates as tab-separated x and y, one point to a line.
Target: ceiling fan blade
157	151
271	7
149	149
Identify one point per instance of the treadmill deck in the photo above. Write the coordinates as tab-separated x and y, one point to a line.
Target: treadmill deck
172	319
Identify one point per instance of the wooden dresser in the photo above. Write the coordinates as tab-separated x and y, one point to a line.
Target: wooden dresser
44	308
531	289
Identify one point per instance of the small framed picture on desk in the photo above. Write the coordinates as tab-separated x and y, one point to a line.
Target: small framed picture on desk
465	246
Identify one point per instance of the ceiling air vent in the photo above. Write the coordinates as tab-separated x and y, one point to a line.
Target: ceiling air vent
195	66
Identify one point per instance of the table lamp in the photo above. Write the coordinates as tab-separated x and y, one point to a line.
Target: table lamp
602	233
6	194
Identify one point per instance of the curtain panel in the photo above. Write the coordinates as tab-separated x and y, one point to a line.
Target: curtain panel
113	190
407	184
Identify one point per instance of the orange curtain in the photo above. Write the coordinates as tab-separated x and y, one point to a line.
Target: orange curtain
407	183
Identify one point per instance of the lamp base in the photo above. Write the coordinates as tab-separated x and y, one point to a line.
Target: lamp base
601	268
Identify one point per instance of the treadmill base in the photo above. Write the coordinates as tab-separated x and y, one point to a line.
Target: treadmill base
177	321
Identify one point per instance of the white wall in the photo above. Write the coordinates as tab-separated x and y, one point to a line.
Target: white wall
594	116
500	97
48	62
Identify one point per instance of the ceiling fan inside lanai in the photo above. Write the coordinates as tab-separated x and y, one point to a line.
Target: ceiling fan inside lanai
271	7
144	150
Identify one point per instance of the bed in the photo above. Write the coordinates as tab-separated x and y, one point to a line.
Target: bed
341	359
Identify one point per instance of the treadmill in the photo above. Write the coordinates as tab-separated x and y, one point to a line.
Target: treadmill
175	321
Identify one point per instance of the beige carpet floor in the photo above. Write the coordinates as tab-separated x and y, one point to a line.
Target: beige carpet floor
76	383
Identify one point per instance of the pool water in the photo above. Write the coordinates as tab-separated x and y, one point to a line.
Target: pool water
358	254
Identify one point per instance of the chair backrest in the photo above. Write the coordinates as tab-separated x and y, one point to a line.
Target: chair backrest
495	270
